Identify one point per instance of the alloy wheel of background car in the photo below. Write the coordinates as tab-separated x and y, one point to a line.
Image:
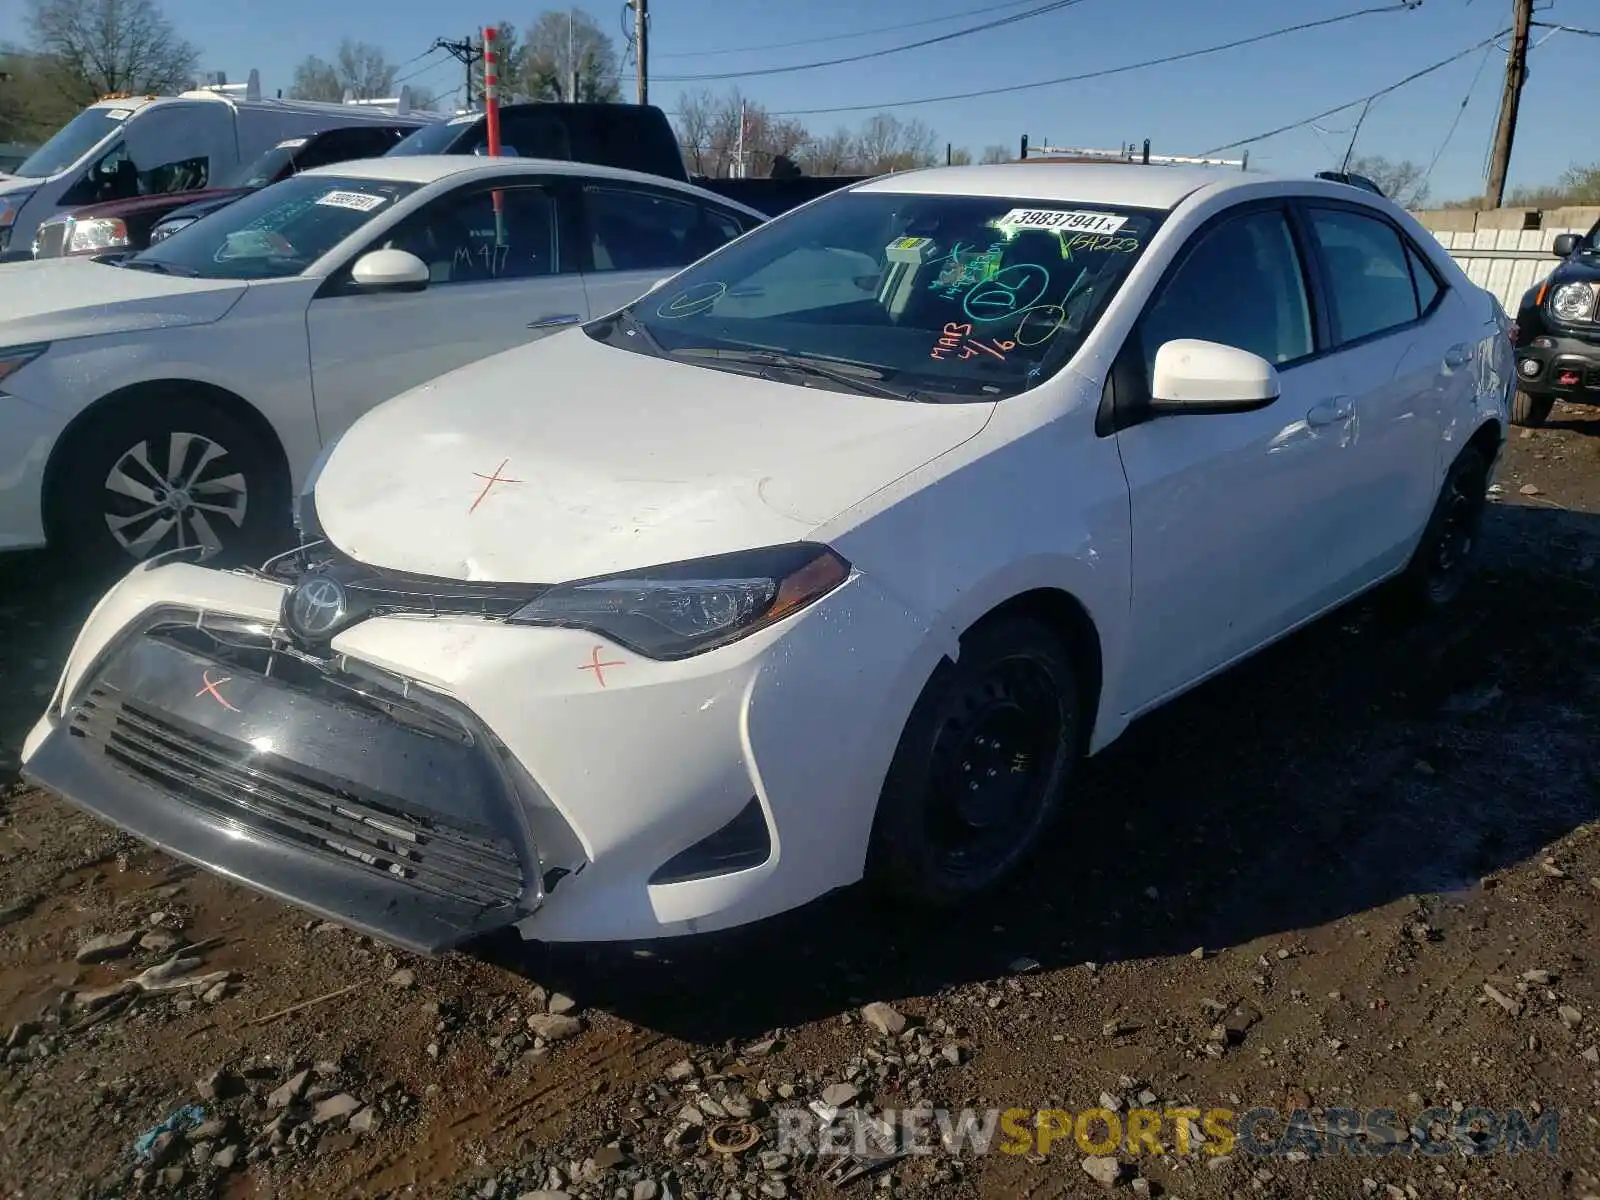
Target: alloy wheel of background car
151	474
167	494
982	765
1531	410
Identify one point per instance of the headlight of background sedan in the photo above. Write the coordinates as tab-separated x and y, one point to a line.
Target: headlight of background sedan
1573	301
167	228
680	609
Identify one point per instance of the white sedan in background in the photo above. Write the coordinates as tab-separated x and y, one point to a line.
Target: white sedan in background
830	557
175	397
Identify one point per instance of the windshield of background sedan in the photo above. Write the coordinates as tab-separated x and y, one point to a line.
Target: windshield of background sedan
71	142
279	231
266	167
925	297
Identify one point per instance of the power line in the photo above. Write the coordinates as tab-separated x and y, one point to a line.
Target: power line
1568	29
423	70
898	27
1402	6
1443	62
1039	10
1455	122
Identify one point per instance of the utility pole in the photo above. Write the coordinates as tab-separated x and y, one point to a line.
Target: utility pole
572	62
466	53
641	46
1510	100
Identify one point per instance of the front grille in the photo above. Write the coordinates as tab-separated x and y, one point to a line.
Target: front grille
378	590
357	774
49	239
1591	378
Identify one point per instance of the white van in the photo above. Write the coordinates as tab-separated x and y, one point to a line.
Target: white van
124	146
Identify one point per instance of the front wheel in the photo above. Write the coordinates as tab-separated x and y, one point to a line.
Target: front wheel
1531	411
157	474
981	767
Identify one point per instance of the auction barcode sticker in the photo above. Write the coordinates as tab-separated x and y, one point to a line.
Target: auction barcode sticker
1073	221
358	201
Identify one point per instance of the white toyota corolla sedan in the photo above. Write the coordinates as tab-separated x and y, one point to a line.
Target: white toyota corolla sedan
830	557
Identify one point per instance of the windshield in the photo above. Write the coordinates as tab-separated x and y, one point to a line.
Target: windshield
72	141
931	297
278	231
266	168
434	138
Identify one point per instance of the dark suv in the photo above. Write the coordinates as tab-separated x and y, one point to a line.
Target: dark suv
1558	332
133	223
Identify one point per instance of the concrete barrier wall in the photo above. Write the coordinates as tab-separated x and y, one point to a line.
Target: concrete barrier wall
1505	250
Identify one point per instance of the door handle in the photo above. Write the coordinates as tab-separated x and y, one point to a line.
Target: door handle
554	319
1331	410
1458	355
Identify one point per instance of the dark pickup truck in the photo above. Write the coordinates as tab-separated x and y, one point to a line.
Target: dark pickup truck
638	137
1558	332
132	223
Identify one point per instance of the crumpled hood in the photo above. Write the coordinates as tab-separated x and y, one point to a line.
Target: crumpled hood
50	299
568	458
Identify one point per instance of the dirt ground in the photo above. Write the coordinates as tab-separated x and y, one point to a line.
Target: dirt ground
1362	871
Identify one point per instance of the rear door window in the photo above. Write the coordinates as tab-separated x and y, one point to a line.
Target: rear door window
1368	275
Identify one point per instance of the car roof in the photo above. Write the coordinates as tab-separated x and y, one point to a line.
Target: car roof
431	168
1132	185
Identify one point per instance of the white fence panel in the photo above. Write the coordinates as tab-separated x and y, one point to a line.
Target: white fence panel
1506	262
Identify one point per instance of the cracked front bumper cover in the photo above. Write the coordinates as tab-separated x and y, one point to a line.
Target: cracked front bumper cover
342	798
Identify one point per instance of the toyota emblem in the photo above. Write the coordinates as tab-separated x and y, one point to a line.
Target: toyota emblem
316	606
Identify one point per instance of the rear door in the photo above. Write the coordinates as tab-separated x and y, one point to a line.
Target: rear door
634	235
498	280
1397	332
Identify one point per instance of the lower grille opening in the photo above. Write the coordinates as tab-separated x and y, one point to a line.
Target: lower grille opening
274	798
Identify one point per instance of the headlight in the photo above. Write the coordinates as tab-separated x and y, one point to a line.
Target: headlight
167	228
679	609
14	358
94	235
1573	301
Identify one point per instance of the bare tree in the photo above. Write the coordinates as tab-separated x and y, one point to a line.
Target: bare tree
30	108
961	157
1403	182
995	154
569	57
694	128
886	143
833	154
358	67
92	47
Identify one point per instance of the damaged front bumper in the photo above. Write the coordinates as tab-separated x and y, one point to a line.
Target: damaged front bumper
431	776
345	792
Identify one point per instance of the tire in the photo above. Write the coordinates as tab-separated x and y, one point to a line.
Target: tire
1008	707
110	503
1532	411
1439	568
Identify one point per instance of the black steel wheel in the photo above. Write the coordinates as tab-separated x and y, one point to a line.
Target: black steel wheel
982	765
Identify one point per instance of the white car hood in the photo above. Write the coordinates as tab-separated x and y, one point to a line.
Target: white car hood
620	460
50	299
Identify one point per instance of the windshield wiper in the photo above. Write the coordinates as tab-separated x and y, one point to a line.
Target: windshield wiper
141	264
633	325
858	377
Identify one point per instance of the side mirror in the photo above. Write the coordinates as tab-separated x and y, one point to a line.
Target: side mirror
1192	376
390	271
1564	245
481	150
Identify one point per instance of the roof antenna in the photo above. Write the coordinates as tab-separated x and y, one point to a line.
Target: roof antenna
1344	167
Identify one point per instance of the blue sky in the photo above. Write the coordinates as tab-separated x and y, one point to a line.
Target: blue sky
1183	107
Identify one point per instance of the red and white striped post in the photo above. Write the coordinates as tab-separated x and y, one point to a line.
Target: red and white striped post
491	108
491	89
